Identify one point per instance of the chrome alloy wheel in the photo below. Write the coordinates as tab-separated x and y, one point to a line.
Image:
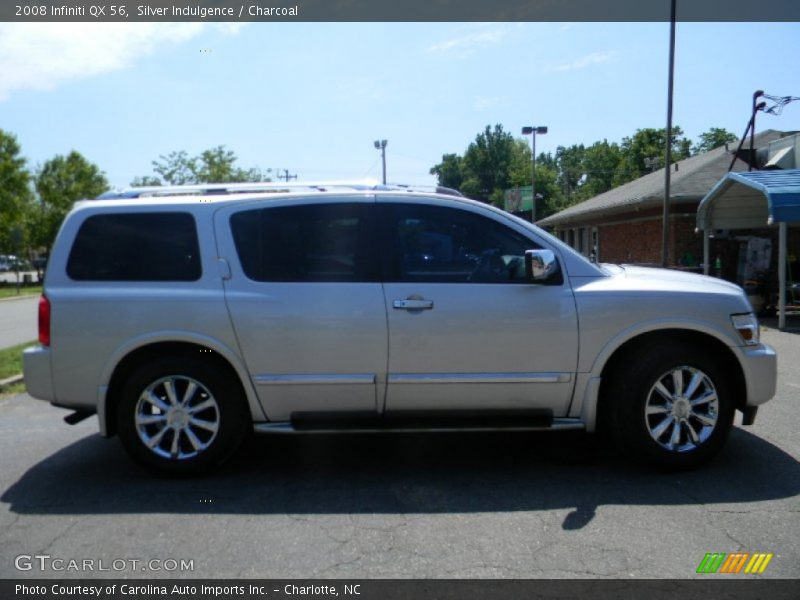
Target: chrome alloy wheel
177	417
682	409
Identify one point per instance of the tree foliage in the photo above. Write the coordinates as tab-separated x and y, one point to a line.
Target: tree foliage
485	169
215	165
449	172
60	182
15	192
714	138
496	161
648	143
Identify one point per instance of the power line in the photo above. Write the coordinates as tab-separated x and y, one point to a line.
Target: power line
286	177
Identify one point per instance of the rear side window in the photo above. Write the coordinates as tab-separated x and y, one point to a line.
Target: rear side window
158	246
323	242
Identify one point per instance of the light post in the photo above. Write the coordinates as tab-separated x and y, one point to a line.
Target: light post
532	131
381	145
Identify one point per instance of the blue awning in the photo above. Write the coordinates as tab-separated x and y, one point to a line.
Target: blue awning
751	199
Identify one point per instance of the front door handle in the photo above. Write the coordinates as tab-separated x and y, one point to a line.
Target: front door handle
413	304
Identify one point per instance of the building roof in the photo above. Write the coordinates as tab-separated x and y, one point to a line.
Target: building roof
754	199
691	180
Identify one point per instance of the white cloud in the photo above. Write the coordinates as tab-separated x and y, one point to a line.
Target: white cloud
41	56
483	102
585	61
467	45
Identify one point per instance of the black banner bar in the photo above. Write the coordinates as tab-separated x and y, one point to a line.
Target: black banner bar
741	588
395	10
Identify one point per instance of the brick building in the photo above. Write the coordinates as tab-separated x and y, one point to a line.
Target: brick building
624	224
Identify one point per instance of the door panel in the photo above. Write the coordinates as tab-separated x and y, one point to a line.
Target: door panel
306	305
484	339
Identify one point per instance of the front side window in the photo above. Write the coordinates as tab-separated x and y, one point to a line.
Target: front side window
158	246
446	245
323	242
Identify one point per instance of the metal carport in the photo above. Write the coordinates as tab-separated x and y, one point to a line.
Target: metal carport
751	200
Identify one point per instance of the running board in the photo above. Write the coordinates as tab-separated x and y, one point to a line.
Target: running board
420	422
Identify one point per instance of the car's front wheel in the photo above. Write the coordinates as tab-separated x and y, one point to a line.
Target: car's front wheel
671	405
181	416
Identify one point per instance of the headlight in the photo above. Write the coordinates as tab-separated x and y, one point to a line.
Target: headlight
747	326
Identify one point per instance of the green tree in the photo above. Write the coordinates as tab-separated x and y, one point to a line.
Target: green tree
15	191
549	198
146	181
495	162
215	165
570	167
218	165
648	143
176	168
449	172
600	162
714	138
60	182
488	160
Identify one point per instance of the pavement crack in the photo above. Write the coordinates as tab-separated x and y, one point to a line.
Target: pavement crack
59	537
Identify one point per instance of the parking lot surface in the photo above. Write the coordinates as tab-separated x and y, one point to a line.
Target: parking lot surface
18	320
448	505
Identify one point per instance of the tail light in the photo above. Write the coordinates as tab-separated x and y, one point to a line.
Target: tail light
44	321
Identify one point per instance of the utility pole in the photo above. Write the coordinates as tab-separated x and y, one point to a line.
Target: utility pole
668	149
381	145
286	177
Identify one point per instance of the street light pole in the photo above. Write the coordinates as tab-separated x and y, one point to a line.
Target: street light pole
668	149
381	145
533	130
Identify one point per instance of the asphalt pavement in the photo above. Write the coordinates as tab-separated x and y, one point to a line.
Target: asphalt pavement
18	320
447	505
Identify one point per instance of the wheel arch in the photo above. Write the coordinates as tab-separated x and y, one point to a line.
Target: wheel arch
147	348
711	341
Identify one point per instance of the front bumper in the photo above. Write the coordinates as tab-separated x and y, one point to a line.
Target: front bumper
760	366
36	366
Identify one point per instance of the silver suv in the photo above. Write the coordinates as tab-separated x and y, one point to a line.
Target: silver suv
187	318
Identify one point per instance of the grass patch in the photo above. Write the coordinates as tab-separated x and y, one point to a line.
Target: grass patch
11	360
10	291
12	390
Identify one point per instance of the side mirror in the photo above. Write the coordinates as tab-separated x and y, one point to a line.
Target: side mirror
540	265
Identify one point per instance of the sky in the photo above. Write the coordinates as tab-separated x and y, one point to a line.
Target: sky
312	97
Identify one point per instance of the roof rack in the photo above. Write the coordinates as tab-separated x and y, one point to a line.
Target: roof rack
224	189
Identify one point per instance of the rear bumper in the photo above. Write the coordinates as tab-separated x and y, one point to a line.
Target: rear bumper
760	365
36	366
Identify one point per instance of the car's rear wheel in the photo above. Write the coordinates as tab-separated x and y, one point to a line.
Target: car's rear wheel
181	416
670	405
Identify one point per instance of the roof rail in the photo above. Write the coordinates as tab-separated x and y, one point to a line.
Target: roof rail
205	189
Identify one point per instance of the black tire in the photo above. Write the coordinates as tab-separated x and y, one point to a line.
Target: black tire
206	432
632	389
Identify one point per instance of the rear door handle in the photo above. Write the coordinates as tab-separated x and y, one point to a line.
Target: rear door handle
411	304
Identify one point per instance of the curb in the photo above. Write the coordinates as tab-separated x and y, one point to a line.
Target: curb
11	380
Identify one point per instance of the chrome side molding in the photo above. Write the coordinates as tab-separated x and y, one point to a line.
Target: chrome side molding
427	378
316	379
